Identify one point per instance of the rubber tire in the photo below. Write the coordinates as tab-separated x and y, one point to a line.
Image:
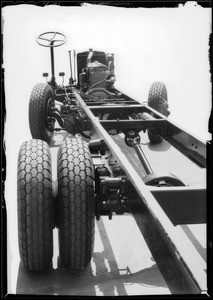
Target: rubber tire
35	205
76	204
39	97
157	99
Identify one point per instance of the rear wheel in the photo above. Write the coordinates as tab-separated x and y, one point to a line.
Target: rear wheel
76	204
35	205
40	109
157	99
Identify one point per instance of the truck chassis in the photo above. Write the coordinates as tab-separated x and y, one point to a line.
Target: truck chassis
96	178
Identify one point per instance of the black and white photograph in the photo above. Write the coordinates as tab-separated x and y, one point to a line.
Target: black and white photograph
106	131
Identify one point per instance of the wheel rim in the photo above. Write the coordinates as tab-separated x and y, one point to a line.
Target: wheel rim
50	120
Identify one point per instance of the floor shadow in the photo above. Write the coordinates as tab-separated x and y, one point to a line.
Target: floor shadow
200	249
61	281
57	139
102	277
35	283
58	281
104	258
163	146
146	277
118	278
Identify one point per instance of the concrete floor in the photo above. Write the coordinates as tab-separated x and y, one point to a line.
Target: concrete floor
122	263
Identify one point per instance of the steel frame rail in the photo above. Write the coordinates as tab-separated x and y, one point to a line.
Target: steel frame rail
182	140
183	269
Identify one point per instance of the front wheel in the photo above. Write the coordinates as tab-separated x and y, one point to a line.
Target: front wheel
157	99
40	109
76	204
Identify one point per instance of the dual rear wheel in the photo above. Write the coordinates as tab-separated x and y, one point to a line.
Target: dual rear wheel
38	209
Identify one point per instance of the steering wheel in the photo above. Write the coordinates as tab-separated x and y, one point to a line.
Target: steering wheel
51	39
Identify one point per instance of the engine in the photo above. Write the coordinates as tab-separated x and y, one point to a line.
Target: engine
97	73
96	78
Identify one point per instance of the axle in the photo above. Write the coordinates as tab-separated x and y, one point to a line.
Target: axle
143	159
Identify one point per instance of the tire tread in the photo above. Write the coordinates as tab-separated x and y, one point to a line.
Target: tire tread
76	204
35	205
37	111
157	99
